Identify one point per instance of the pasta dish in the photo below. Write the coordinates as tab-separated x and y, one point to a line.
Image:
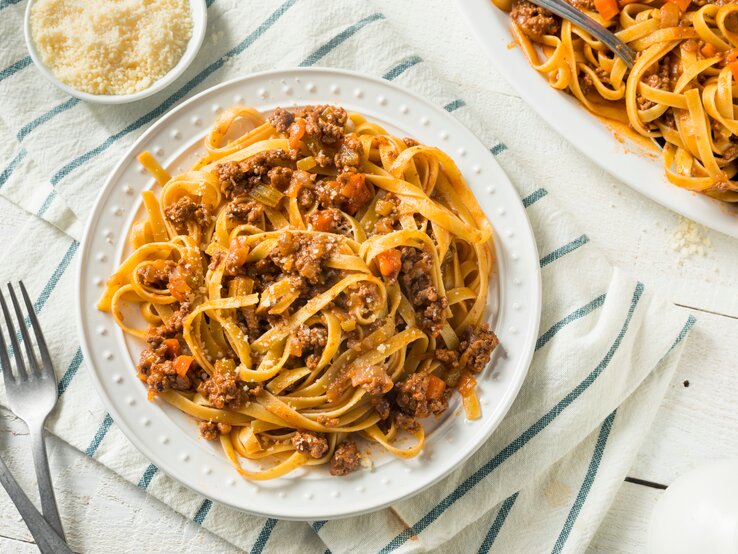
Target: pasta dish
680	92
309	281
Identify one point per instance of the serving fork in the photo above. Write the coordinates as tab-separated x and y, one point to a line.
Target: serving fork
31	392
608	38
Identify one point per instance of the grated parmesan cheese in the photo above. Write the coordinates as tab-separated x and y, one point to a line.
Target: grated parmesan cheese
112	47
690	239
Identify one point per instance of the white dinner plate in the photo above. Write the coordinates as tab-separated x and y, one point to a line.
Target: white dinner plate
170	439
640	168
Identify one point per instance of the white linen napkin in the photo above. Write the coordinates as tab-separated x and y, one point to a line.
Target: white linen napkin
606	352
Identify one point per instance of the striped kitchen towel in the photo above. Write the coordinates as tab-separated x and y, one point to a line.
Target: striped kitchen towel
607	349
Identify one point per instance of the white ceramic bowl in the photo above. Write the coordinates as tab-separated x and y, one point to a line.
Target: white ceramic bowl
199	24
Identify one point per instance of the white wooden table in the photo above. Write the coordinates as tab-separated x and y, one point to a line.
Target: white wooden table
697	421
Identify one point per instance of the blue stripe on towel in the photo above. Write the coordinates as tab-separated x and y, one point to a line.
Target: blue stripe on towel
5	3
8	171
147	476
534	197
343	36
266	532
56	276
589	478
470	482
401	67
498	149
99	436
562	251
14	68
576	314
70	372
318	525
40	120
47	203
454	105
497	524
202	511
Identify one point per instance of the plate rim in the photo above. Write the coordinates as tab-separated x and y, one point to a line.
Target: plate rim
93	222
712	213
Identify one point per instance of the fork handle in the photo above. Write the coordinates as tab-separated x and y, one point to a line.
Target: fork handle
567	11
43	477
46	538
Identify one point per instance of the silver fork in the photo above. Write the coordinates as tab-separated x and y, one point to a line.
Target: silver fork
32	393
608	38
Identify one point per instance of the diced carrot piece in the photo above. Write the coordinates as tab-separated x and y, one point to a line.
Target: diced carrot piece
681	4
733	66
731	56
389	262
173	348
467	384
436	386
323	221
708	50
182	364
607	8
178	286
238	251
356	191
670	15
297	131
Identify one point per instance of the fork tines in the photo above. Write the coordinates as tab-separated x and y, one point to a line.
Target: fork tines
29	366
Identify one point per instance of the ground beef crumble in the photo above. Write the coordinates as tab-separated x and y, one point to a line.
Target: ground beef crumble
223	390
534	22
272	167
474	352
313	444
304	254
412	397
187	210
245	211
348	157
210	430
308	343
430	306
382	406
156	362
345	459
373	379
662	75
156	274
329	220
281	120
476	347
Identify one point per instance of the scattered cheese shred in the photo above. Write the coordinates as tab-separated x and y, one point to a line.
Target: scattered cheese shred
690	239
111	47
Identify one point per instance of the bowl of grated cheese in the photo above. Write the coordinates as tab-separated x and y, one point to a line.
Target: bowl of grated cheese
115	51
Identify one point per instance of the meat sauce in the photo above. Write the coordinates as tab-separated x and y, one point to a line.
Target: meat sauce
327	200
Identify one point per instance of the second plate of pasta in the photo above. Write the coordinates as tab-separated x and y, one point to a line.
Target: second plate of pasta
679	93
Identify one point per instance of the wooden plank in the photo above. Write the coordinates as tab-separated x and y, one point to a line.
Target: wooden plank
696	423
16	546
624	528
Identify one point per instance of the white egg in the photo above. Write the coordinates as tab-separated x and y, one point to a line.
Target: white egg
698	512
